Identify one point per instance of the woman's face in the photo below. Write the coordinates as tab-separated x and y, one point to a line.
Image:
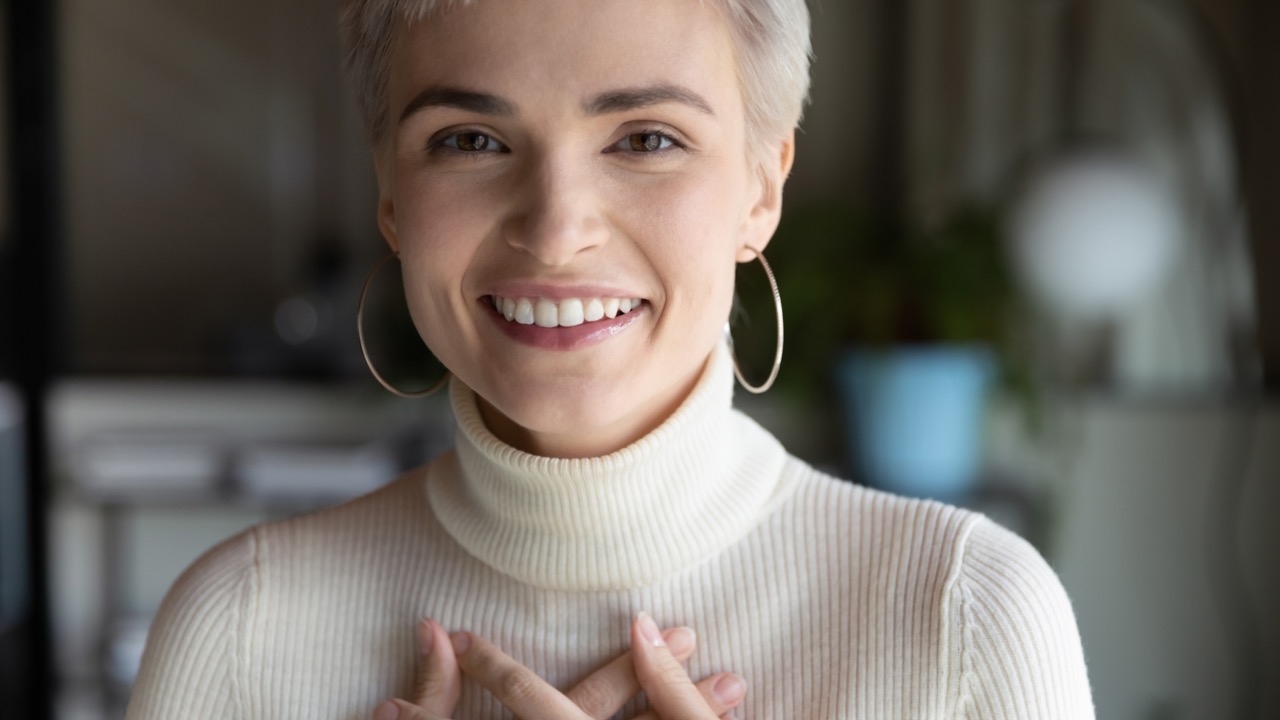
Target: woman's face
546	164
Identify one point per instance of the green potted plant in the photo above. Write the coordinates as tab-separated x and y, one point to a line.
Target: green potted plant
908	325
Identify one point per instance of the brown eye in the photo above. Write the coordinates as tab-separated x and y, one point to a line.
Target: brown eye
648	142
469	142
474	142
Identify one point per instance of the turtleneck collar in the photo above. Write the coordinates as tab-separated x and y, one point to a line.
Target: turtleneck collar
676	497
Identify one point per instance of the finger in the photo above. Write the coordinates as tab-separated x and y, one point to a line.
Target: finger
721	692
517	687
670	691
439	683
397	709
603	693
651	715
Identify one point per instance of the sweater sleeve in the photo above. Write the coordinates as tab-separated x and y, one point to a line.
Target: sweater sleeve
193	663
1020	648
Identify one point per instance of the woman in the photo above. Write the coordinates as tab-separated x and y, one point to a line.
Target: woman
568	185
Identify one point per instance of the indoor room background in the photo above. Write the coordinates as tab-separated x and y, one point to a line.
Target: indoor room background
1028	264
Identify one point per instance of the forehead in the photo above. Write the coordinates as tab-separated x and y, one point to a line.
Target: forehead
537	49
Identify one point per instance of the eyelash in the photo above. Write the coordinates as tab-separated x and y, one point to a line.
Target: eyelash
439	143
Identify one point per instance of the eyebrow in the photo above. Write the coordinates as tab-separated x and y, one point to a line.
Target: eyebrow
626	99
482	103
613	101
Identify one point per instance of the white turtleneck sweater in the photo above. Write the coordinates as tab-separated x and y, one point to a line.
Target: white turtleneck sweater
831	600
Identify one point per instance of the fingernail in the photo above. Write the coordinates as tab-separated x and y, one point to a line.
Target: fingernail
729	689
461	642
386	711
426	637
649	630
681	640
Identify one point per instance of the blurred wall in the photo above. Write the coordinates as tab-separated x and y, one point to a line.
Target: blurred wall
208	147
1165	540
835	146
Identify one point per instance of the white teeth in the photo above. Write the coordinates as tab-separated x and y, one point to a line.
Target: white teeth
546	313
568	312
524	311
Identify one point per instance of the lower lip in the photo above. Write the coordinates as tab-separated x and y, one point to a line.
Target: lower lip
564	338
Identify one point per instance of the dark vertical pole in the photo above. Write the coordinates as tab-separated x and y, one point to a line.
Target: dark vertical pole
1262	172
33	300
889	184
1073	64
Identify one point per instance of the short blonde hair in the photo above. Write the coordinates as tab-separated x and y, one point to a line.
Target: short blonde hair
771	40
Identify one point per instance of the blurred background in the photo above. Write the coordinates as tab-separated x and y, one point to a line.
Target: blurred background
1028	266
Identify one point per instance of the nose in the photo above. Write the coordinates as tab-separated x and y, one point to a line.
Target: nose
559	213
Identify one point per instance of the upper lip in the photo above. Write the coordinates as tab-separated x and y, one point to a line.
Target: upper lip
529	289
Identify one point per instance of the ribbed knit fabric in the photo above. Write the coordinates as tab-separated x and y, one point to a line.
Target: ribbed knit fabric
833	601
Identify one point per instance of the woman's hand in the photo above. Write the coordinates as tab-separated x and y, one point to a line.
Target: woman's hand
672	695
600	695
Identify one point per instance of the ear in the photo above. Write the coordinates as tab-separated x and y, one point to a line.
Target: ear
763	218
386	202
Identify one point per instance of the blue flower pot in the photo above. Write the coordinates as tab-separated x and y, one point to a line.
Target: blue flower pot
915	416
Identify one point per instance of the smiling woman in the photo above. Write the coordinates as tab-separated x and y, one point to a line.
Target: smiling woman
629	182
568	186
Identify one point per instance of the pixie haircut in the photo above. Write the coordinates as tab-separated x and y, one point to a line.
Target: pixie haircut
770	38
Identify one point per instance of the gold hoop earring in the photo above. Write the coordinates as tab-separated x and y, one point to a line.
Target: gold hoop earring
777	356
365	350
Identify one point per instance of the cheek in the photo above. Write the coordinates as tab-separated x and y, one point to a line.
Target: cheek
440	233
691	231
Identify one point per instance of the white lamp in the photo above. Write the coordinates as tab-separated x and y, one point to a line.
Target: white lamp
1092	235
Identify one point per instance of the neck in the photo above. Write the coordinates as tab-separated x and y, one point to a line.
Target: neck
695	484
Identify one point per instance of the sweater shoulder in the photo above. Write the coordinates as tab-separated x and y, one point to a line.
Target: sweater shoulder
999	566
358	525
193	662
208	634
880	518
1015	632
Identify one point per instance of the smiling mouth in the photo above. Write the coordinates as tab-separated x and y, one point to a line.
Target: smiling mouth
569	312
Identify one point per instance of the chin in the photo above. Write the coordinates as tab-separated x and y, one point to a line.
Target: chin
583	410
